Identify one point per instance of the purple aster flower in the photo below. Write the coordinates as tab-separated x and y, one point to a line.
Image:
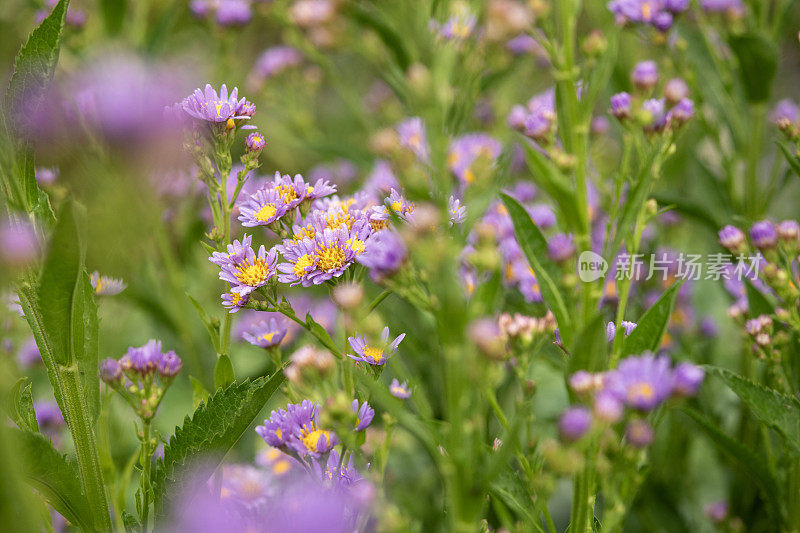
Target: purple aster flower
106	286
639	433
466	150
305	437
376	354
641	382
266	334
142	359
28	354
412	136
263	208
458	212
242	268
275	60
653	114
524	44
18	242
46	176
542	215
645	75
785	109
335	475
169	364
682	112
789	232
313	506
312	13
516	117
458	27
561	247
523	191
621	105
233	301
364	415
255	142
582	381
599	126
399	390
384	254
574	423
607	407
110	371
676	90
275	430
686	379
233	12
732	238
764	235
246	487
207	105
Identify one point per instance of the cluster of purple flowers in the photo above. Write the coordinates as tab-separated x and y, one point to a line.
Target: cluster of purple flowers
640	383
142	375
660	14
226	12
516	269
653	114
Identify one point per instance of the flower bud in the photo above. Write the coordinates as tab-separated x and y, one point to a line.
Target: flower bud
574	423
639	433
645	75
255	142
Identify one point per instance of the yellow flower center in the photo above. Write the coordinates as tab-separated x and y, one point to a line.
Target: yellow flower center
357	245
452	159
101	286
252	274
311	436
250	489
396	206
647	10
398	390
279	434
287	192
302	264
330	257
266	213
337	219
236	298
267	337
273	454
230	124
373	353
378	225
307	232
641	391
469	176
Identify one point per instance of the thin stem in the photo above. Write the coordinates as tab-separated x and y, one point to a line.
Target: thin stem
144	481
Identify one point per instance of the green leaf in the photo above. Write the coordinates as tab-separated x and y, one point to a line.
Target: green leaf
510	489
758	64
54	476
754	466
791	158
589	352
211	326
89	359
113	12
199	392
213	429
20	405
635	200
390	38
223	372
35	63
322	335
534	245
777	411
757	301
552	181
651	327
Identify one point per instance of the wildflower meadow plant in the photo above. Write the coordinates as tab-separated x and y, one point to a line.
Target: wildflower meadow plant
403	266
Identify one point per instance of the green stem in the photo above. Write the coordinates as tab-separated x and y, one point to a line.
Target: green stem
757	114
80	425
144	481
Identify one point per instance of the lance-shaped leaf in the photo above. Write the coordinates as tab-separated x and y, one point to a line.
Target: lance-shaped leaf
534	244
753	465
651	327
20	406
212	430
54	476
775	410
